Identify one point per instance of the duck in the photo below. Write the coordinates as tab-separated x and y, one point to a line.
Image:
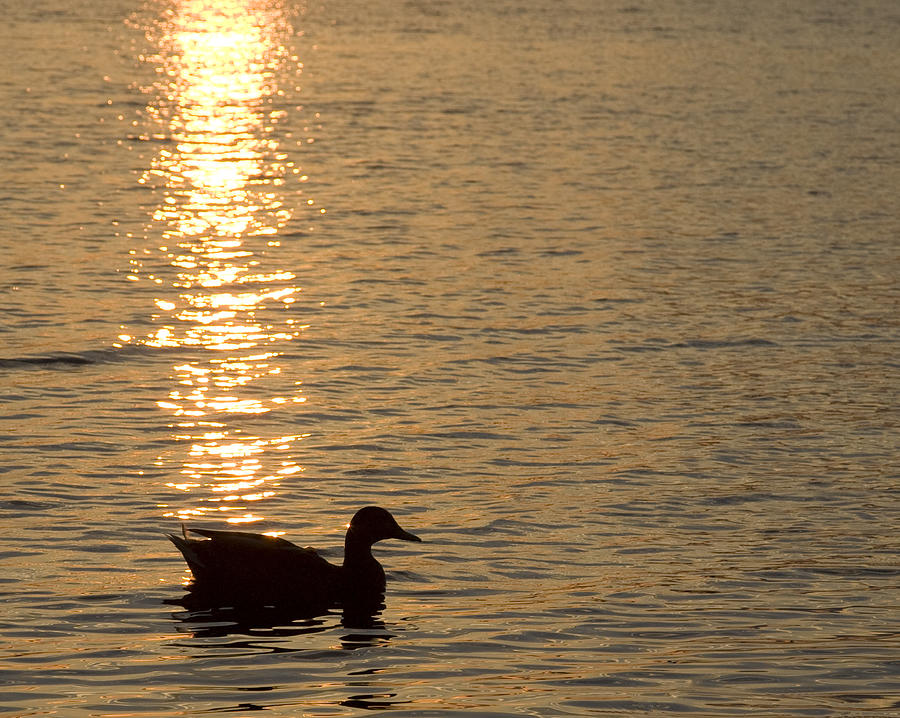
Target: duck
242	569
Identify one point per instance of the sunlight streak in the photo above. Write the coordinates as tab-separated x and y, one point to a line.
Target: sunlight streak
219	174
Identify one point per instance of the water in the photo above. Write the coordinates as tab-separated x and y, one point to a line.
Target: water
600	298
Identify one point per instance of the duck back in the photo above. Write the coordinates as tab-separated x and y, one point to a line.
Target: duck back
236	568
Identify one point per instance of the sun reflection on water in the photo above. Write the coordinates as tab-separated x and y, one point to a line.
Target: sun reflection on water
220	175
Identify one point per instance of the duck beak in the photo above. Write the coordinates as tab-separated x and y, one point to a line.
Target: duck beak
406	535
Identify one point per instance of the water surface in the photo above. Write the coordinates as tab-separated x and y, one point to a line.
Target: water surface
599	298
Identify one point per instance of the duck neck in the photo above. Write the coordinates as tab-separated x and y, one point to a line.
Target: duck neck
357	552
362	577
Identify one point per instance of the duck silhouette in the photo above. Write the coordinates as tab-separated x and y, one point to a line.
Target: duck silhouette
247	570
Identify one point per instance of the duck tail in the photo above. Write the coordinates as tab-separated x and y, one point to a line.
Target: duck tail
183	544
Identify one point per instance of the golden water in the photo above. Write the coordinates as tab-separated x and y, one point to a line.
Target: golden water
598	298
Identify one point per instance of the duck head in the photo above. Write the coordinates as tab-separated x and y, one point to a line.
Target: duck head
372	524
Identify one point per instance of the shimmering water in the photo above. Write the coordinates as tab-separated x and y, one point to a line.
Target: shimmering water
600	298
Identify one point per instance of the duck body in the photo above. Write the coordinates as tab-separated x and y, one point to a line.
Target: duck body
241	569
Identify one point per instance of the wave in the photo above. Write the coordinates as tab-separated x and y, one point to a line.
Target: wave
62	360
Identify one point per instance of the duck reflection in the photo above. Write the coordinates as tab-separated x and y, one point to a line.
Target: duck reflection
267	578
371	701
264	624
261	623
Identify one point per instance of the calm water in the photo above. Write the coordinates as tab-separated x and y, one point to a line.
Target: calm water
600	298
